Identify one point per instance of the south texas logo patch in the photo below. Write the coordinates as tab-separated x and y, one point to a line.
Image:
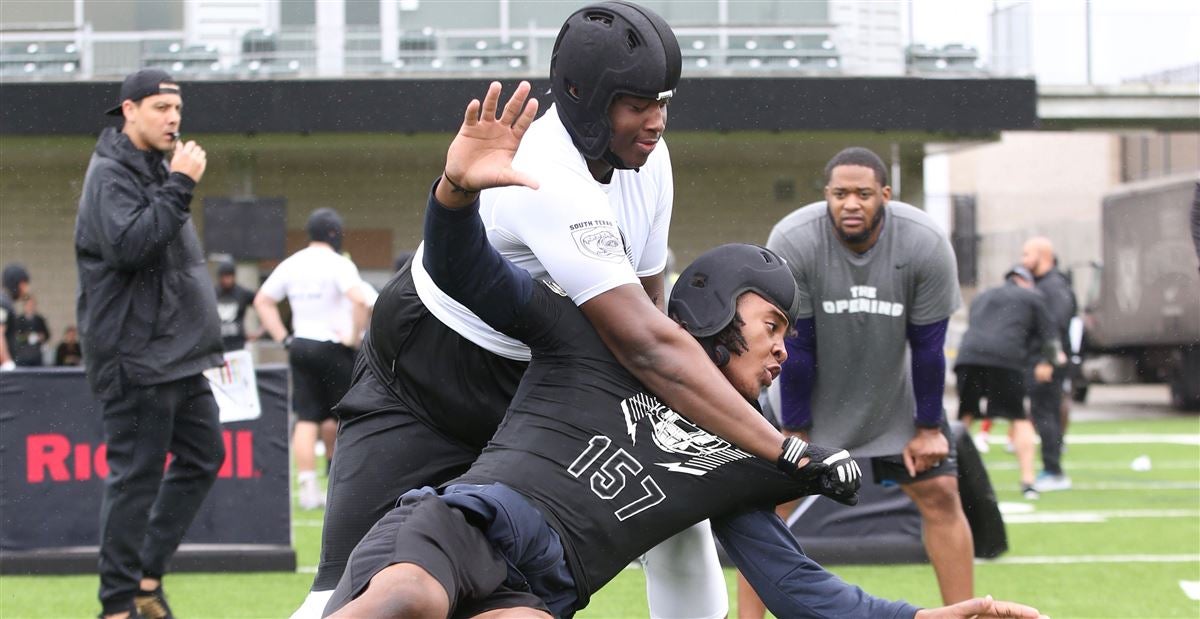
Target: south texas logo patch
598	240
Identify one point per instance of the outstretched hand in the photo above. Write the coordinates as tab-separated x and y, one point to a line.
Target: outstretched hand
981	608
480	157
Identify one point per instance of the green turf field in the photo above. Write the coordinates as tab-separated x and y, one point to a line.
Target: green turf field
1117	545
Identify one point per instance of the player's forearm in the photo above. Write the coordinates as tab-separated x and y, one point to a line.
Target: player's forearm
789	582
462	262
672	365
927	343
268	315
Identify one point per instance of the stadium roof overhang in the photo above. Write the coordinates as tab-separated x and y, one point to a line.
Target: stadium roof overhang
949	107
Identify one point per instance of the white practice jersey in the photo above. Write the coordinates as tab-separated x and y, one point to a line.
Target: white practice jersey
588	237
315	281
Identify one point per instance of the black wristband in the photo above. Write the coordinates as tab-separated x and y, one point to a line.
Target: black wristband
794	449
287	341
458	188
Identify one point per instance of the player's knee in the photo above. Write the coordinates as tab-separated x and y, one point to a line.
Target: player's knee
939	499
404	591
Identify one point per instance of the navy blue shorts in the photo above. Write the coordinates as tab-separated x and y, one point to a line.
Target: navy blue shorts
475	541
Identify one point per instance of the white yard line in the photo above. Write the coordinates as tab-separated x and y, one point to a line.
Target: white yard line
1096	516
1134	485
1116	439
1091	559
1110	465
1191	588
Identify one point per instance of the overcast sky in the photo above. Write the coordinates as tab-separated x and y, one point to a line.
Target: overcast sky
1129	37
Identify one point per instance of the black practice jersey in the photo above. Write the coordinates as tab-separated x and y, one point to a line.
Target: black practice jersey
613	469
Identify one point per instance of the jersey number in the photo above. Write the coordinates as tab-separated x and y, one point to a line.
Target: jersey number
611	477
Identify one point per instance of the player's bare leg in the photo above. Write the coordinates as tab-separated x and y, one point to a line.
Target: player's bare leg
329	437
1022	438
947	535
403	591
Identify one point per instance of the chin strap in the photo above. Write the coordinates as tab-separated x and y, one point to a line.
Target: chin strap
613	160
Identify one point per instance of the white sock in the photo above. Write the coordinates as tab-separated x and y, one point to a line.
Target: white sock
307	477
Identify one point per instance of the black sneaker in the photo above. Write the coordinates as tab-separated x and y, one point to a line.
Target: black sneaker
152	604
1029	493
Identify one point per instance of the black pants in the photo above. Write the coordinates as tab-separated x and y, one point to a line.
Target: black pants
1045	403
146	512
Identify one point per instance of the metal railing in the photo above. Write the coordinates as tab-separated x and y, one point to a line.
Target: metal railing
80	53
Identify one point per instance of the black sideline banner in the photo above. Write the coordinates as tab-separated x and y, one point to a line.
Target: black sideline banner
53	468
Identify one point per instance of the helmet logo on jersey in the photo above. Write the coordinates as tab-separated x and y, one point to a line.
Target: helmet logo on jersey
599	240
674	434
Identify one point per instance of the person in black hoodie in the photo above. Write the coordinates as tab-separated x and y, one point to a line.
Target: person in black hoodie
148	319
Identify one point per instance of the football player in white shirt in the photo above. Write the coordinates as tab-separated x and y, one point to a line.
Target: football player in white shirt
433	381
329	314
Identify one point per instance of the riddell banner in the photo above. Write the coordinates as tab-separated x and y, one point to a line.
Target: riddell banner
53	467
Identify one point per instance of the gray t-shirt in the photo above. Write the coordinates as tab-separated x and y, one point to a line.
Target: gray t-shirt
863	397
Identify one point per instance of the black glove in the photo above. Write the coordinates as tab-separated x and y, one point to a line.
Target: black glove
830	472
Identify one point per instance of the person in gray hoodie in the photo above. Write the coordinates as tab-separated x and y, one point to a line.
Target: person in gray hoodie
1003	325
148	319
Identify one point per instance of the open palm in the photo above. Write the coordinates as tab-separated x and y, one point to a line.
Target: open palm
480	157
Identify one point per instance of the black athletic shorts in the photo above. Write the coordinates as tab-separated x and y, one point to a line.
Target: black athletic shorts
425	531
1003	388
320	377
890	470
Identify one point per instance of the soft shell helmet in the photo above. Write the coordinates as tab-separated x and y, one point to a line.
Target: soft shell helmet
325	225
605	50
704	298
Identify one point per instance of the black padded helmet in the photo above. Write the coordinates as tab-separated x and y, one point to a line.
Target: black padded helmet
604	50
704	298
325	225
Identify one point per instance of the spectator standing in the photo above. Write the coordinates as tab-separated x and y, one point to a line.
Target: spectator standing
1004	324
15	281
329	315
29	334
232	301
877	280
1046	398
149	328
69	352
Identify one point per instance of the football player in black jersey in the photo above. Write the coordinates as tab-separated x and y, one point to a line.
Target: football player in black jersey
588	470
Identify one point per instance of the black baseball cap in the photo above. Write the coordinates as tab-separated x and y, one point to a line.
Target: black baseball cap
142	84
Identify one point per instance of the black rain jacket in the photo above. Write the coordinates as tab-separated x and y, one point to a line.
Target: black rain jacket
146	309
